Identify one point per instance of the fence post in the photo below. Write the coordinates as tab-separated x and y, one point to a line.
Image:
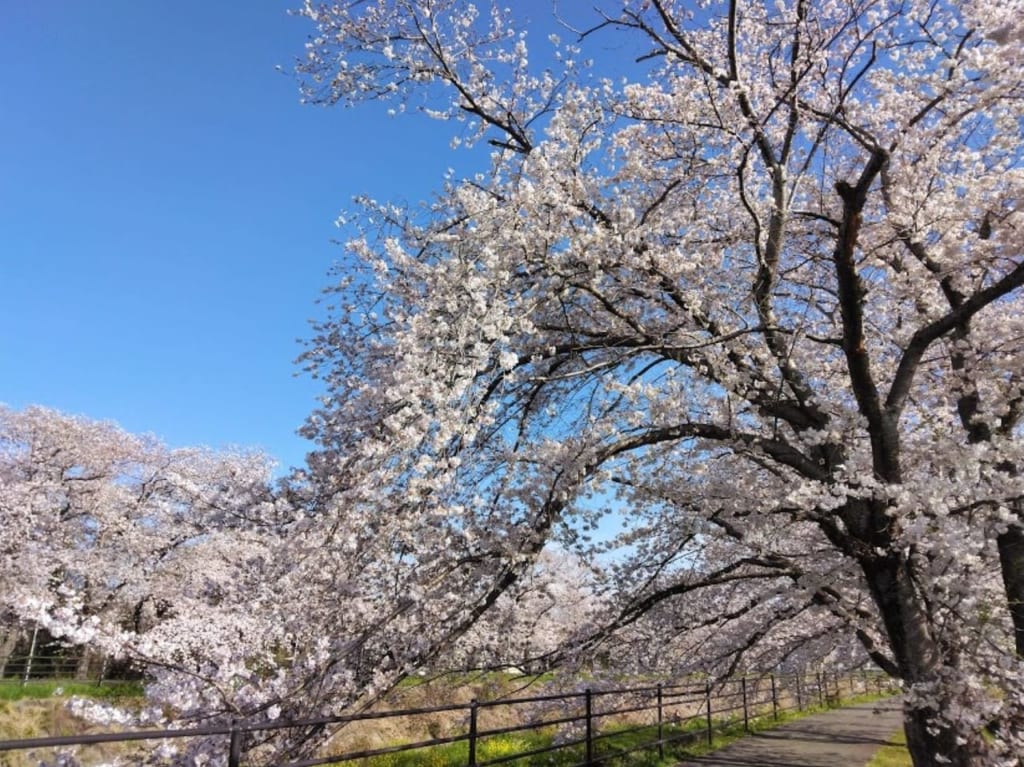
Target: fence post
31	653
472	732
590	727
799	695
775	700
746	715
661	719
821	691
235	746
103	670
707	701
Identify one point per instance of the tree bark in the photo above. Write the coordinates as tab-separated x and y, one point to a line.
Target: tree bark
7	647
1011	562
89	665
925	741
919	658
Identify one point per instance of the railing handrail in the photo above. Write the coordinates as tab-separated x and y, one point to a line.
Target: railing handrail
658	700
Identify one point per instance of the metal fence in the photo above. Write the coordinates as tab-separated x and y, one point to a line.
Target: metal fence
595	723
30	653
22	668
25	669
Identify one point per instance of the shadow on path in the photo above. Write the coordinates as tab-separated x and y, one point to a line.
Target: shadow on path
846	737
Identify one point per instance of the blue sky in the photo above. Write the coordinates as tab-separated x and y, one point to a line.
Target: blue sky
167	209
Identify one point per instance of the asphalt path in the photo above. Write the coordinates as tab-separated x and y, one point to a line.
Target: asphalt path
846	737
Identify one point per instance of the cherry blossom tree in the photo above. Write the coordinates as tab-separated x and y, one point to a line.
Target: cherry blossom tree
242	599
752	293
154	555
113	522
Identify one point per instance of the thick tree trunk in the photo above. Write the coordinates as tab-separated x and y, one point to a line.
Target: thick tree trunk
919	659
925	743
7	645
89	665
1011	561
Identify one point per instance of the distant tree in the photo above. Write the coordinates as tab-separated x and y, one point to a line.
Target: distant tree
117	543
758	293
241	598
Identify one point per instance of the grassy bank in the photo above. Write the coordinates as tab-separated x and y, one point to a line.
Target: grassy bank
631	745
38	708
13	689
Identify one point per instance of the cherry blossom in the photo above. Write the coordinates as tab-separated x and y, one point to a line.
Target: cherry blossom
755	298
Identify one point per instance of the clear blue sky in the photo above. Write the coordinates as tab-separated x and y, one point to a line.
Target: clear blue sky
167	209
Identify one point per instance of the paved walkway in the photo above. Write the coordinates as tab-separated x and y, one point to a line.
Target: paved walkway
846	737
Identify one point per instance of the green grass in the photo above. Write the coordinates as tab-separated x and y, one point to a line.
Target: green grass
692	742
39	708
635	742
690	735
893	754
57	688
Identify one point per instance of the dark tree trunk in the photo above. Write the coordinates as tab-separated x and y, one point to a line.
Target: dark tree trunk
90	664
7	646
925	742
919	658
1011	561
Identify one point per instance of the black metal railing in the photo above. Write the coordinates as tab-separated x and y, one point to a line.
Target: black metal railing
26	669
594	721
